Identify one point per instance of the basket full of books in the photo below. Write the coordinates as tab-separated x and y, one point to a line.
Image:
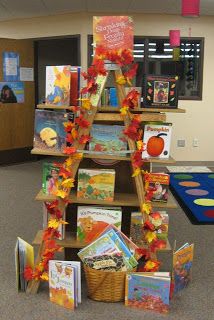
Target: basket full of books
106	262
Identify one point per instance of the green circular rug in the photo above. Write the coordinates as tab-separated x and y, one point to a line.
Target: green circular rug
182	176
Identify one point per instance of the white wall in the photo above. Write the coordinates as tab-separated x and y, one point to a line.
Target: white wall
198	121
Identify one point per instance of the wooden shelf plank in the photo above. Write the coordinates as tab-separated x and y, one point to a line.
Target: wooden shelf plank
113	109
70	241
116	117
120	199
102	156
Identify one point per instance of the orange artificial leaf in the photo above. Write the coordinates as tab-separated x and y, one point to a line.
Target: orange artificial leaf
69	150
69	162
77	156
121	80
158	244
84	139
151	266
68	126
44	276
61	193
65	173
86	104
83	123
74	133
28	273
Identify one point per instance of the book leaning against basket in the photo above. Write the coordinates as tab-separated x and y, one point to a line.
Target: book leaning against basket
110	252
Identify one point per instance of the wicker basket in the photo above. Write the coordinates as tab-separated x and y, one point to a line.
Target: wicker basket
107	286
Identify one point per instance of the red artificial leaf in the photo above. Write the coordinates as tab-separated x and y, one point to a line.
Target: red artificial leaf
69	150
84	139
137	159
132	71
157	245
100	51
143	253
64	172
91	87
132	132
47	234
99	66
156	215
28	273
126	57
51	205
82	122
148	225
69	138
151	266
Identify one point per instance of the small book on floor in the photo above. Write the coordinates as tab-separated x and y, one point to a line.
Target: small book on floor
24	256
148	291
65	283
182	266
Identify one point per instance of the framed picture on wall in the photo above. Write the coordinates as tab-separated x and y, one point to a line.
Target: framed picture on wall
160	91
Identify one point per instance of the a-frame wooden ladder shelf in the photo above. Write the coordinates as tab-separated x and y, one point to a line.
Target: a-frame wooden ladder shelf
94	115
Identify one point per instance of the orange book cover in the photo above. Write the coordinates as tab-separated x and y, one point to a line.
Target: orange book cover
113	32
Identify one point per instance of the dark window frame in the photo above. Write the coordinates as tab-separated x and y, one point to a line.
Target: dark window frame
145	39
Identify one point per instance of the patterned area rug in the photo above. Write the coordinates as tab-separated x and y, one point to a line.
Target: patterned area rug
195	194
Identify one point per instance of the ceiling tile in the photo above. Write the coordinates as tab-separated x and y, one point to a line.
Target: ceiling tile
118	6
63	6
154	6
24	8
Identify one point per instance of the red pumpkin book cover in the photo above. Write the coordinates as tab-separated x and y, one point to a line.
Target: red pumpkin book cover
157	139
113	32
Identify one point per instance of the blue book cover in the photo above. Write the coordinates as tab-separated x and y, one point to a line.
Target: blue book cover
113	97
130	260
147	292
106	138
49	131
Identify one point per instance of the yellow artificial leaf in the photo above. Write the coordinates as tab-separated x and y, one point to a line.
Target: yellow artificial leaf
150	236
124	110
74	133
146	207
69	162
86	104
121	80
68	183
129	82
146	185
77	156
140	144
53	223
136	172
61	193
44	276
63	222
144	171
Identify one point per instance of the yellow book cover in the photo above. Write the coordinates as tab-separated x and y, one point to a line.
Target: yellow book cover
62	283
96	184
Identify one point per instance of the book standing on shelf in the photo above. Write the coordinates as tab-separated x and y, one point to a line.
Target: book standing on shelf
96	184
157	187
49	133
160	220
91	221
182	266
136	227
157	139
50	178
149	291
65	283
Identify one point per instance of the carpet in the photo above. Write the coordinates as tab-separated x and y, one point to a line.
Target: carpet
188	169
195	194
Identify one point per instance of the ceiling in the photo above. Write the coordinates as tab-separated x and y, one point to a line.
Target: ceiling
17	9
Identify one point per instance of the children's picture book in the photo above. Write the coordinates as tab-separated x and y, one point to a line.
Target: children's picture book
75	74
47	216
96	184
113	97
102	245
108	139
50	178
157	140
49	131
58	81
160	220
24	256
91	221
182	266
113	32
65	283
160	91
157	187
148	291
106	262
12	92
136	228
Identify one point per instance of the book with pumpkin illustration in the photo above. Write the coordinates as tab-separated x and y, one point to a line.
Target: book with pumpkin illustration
49	133
96	184
58	85
157	139
65	283
157	187
91	221
106	138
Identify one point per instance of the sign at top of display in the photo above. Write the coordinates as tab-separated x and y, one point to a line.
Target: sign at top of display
113	32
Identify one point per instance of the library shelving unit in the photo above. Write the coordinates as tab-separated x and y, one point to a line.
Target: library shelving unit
129	193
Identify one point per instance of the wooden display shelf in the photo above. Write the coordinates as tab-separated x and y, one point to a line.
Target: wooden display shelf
120	199
102	156
70	241
113	109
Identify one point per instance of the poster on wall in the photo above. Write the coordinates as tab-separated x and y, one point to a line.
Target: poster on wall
113	32
11	92
10	66
26	74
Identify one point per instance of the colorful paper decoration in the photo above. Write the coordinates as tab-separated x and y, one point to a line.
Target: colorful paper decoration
174	38
190	8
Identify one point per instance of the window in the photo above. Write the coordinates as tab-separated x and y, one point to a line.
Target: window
155	56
